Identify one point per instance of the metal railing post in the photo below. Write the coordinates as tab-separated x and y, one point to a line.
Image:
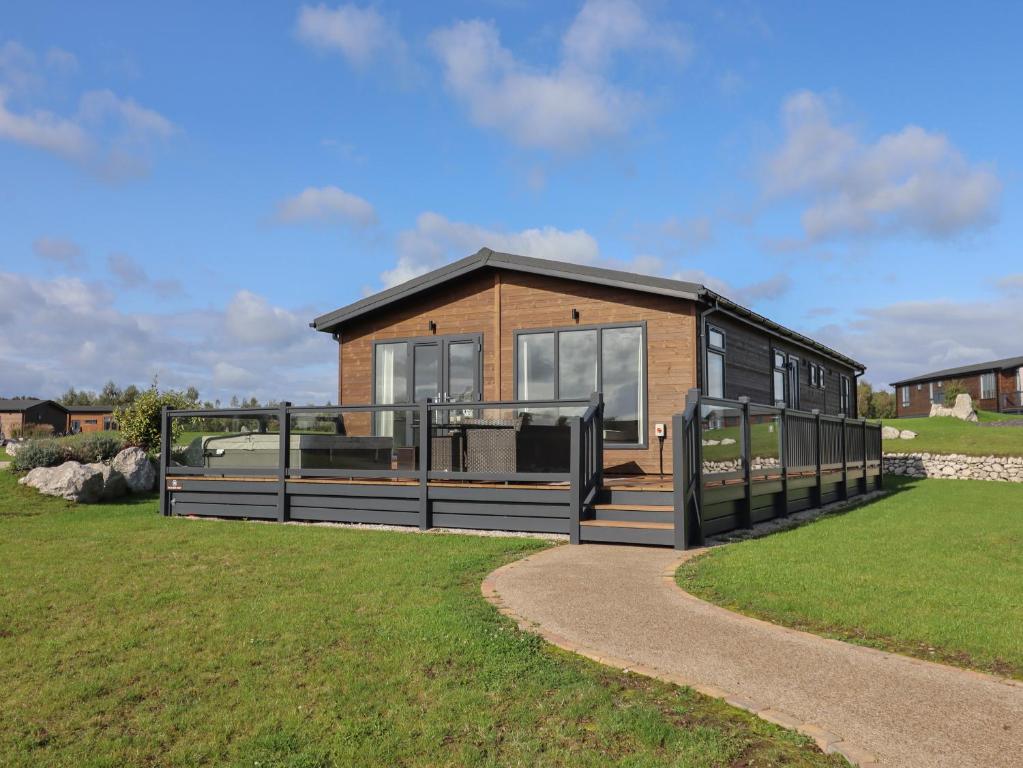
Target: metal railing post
784	436
695	398
597	400
863	483
575	482
820	458
283	459
845	461
747	460
424	465
164	460
679	479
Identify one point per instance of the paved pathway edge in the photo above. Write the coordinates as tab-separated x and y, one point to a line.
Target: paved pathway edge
827	741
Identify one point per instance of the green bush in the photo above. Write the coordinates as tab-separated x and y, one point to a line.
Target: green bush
97	446
140	421
39	453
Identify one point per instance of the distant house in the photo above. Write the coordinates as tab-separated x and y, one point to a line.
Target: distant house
21	416
996	385
90	418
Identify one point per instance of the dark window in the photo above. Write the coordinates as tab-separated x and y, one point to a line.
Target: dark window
845	395
715	362
572	363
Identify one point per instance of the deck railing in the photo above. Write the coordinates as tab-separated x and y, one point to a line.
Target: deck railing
1011	402
553	443
741	463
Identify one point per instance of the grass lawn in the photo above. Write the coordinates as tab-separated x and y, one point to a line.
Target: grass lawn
933	570
948	435
132	639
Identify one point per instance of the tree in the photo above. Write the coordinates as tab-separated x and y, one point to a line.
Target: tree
865	400
883	405
140	421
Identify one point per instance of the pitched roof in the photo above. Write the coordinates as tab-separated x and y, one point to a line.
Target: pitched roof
965	370
91	408
485	258
8	404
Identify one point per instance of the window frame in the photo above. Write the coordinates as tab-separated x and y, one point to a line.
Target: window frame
442	341
844	394
720	351
783	369
644	442
994	386
906	396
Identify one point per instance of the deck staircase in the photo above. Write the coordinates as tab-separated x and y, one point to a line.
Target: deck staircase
630	514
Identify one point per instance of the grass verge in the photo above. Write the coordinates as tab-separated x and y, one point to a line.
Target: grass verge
948	435
131	639
932	570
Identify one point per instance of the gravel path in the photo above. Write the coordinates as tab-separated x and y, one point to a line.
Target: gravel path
621	606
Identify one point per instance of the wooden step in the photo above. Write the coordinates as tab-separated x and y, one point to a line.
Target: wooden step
628	524
635	507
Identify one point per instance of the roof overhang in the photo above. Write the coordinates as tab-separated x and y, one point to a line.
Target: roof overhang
486	258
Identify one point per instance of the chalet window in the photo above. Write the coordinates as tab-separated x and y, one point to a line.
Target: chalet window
987	386
935	398
905	396
391	382
845	392
572	363
779	379
715	362
1019	379
816	375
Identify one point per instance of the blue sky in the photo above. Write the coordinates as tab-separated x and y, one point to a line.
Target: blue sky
183	189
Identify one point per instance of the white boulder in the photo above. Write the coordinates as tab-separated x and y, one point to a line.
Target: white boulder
963	409
71	481
138	471
906	434
114	484
889	433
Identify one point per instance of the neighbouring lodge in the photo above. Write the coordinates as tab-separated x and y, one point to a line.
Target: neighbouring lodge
996	385
29	417
512	393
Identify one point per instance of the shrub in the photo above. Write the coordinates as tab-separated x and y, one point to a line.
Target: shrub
98	446
140	421
952	390
39	453
31	431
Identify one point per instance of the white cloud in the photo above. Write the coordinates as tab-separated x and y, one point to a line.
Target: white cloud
361	35
68	332
131	275
108	135
749	295
326	205
564	108
909	338
436	240
912	181
59	250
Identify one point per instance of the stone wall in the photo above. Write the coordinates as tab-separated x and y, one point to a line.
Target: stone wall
955	466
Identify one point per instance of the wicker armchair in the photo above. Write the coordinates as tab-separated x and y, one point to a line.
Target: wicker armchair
492	445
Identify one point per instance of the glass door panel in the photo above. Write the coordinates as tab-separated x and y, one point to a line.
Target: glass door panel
463	364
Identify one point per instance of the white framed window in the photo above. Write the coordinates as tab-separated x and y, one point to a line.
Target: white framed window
1019	379
715	362
987	386
905	396
845	399
780	378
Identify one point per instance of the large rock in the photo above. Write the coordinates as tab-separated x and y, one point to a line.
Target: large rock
13	448
139	472
71	481
114	484
907	434
963	409
889	433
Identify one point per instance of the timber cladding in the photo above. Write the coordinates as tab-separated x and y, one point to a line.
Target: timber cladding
497	303
920	393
